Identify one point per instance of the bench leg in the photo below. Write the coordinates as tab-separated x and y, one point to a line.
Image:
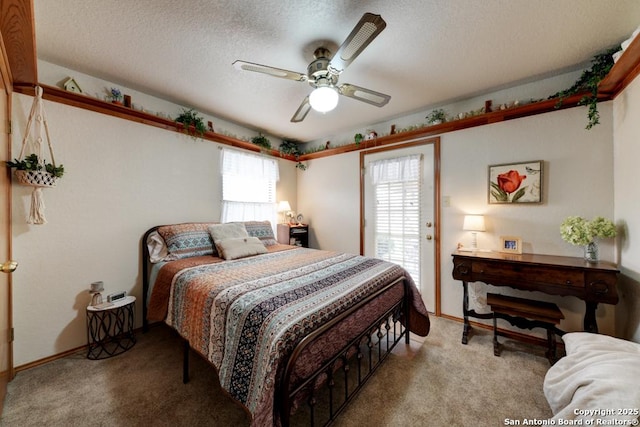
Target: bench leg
551	350
496	345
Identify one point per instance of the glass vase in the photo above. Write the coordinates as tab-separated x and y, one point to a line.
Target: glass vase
591	252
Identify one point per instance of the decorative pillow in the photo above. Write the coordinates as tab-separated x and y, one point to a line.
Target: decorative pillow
157	248
188	240
262	230
240	247
229	230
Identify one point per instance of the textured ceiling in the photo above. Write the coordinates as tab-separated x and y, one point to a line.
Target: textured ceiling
431	51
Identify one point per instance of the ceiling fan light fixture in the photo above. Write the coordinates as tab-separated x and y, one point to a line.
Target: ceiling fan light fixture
323	99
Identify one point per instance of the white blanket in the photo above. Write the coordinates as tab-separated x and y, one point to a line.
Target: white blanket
599	379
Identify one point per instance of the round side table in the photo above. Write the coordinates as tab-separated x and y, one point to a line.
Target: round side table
110	328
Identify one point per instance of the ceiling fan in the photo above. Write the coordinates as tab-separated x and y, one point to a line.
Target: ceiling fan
323	71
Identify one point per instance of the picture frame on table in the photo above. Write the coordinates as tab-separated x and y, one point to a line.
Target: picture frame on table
510	245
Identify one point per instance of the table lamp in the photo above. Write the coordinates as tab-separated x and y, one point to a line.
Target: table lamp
284	207
474	223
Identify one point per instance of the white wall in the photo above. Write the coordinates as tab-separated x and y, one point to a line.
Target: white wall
578	180
626	110
121	178
329	199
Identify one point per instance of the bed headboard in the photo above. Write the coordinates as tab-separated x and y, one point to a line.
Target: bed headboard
176	234
146	266
175	237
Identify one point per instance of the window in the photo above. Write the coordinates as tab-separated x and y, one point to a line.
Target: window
248	187
397	189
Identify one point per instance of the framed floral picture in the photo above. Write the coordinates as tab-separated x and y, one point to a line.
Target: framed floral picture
516	182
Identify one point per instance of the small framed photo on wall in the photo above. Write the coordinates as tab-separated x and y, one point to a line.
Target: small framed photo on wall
510	244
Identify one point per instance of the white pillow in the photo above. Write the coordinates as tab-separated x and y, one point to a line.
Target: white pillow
231	230
240	247
157	247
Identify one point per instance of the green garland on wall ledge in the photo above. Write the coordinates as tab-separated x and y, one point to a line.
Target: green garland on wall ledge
292	148
589	81
261	141
191	118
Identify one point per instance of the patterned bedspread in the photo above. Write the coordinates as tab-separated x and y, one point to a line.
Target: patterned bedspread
247	315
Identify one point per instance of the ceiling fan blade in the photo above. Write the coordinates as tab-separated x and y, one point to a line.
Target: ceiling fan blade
364	32
365	95
302	111
272	71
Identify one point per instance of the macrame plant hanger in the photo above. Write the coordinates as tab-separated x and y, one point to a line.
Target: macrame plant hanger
38	179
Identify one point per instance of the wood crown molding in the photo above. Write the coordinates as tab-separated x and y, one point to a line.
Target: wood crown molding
62	96
623	72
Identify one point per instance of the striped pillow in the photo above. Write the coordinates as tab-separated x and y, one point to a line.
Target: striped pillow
188	240
262	230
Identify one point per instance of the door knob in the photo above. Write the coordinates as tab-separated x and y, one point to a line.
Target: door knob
429	224
9	266
429	237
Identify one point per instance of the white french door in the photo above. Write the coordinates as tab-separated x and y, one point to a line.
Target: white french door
399	214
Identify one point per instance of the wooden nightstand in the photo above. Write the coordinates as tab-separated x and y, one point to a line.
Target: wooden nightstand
295	235
110	328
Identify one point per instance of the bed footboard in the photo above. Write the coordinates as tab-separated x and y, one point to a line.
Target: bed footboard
324	394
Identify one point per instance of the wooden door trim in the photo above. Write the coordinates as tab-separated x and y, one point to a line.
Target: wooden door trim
7	80
18	30
436	201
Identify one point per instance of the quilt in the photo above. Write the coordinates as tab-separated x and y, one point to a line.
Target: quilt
245	316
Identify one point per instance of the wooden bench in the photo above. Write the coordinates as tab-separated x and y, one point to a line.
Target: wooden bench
529	314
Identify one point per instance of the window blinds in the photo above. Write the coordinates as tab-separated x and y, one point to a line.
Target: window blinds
248	187
397	211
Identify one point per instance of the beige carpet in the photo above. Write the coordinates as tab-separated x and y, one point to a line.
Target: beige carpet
436	383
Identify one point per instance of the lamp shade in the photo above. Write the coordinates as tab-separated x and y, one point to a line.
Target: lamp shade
323	99
284	206
473	223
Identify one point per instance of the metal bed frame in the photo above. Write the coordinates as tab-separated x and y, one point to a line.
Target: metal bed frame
330	388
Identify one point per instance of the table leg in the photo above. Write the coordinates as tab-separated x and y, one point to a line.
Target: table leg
465	312
590	324
496	344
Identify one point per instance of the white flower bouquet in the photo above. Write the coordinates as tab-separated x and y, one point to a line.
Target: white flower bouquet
578	231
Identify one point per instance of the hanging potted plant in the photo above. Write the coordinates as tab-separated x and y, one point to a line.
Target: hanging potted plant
193	123
32	169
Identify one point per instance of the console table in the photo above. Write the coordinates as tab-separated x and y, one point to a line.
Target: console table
555	275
